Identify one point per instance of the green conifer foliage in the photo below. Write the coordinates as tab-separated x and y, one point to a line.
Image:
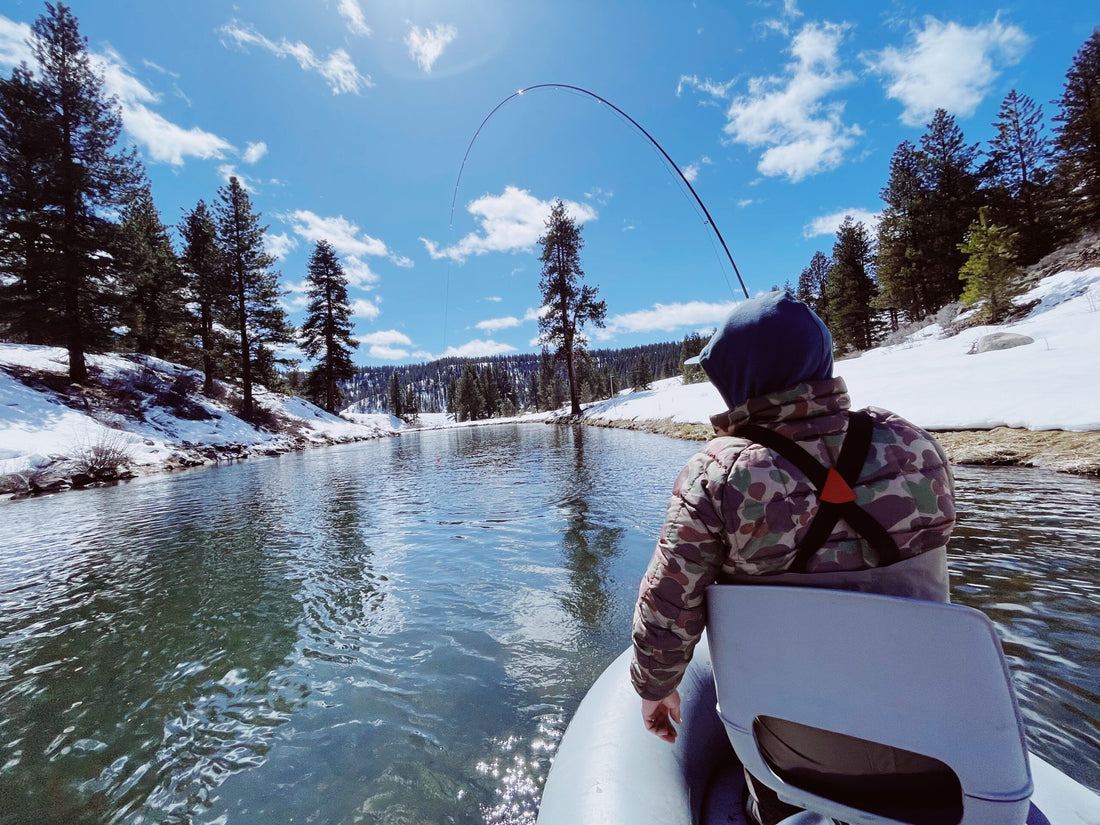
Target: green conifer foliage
990	272
570	303
326	330
254	313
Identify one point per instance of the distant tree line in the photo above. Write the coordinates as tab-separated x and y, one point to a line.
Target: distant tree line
503	385
960	220
87	263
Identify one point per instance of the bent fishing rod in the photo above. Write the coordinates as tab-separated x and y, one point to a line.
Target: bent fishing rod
636	125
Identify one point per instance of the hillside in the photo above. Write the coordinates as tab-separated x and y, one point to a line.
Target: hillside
137	415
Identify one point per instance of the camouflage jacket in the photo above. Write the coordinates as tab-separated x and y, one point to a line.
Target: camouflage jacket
737	509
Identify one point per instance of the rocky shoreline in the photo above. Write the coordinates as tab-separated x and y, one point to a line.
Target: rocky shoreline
1055	450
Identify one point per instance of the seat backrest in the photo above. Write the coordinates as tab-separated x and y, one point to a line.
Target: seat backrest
924	677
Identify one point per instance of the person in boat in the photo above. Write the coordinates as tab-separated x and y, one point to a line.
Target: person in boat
795	489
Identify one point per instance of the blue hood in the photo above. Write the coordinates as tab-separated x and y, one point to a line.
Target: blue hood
767	344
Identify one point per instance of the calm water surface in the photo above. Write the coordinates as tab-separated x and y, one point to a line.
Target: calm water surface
398	631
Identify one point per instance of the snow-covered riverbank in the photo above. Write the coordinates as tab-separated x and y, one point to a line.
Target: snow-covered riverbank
1035	404
139	415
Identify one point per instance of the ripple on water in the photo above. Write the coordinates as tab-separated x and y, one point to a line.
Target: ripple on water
399	631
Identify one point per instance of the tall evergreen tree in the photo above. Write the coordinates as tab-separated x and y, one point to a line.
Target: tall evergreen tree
255	315
152	280
811	285
851	288
326	330
26	301
1017	171
209	285
900	263
397	398
570	303
1078	136
951	184
88	178
490	391
470	403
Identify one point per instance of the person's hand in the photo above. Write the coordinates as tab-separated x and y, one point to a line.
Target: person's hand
660	714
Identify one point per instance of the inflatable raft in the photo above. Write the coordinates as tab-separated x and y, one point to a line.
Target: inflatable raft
609	770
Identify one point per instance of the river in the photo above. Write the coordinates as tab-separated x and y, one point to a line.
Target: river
397	631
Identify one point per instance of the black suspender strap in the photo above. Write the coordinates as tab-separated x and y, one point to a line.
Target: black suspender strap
834	487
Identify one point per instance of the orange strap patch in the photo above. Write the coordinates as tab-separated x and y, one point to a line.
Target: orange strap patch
836	489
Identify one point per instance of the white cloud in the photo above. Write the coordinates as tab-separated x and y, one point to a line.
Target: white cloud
14	48
426	45
254	151
337	68
386	345
828	224
691	172
666	318
344	236
362	308
359	272
478	349
386	338
787	114
496	299
353	14
721	91
948	66
279	245
510	222
497	324
161	140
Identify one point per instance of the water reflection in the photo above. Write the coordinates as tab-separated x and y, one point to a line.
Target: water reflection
588	543
399	631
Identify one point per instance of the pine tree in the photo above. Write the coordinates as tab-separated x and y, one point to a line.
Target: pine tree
255	315
412	405
691	346
490	392
326	331
899	262
850	288
990	272
87	178
1017	171
153	303
951	184
26	301
209	286
1078	136
811	285
571	304
470	403
641	375
397	398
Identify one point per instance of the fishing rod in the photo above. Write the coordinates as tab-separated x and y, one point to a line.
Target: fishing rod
636	125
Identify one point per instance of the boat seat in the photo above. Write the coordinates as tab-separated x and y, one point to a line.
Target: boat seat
867	708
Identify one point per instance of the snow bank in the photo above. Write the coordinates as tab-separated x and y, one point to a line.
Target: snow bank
935	381
149	409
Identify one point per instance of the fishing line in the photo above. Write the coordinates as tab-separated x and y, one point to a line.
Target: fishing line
637	126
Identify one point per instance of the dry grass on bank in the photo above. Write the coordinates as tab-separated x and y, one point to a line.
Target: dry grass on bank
1063	452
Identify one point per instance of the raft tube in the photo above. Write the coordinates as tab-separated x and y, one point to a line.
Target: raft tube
609	770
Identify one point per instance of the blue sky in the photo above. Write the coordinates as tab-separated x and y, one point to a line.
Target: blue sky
348	120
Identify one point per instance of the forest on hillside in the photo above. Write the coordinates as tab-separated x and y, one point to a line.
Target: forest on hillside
961	220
